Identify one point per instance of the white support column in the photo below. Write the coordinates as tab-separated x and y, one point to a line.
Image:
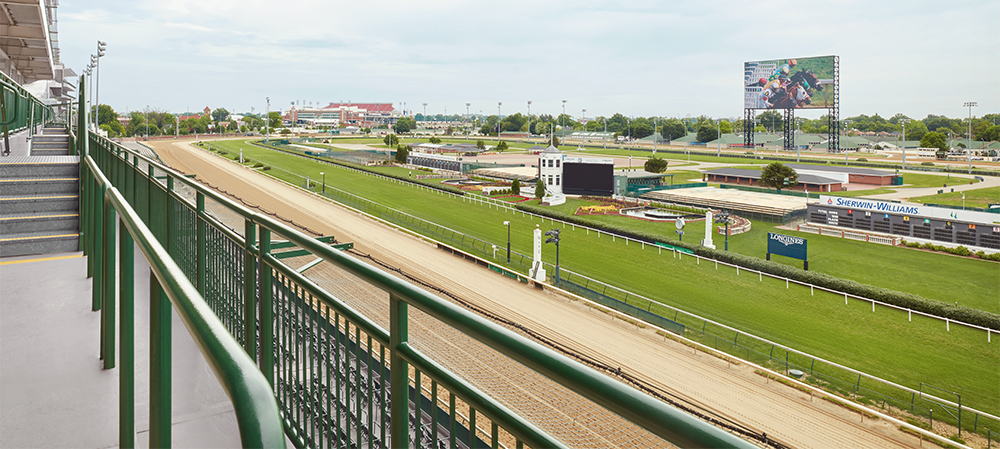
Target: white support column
707	241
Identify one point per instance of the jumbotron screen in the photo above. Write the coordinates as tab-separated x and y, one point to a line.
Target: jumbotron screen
799	83
588	179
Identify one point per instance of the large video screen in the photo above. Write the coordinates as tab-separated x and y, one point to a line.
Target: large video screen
588	179
800	83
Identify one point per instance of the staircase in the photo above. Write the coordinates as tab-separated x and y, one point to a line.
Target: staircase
39	198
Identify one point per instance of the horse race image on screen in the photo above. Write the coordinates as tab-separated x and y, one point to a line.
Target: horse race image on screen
800	83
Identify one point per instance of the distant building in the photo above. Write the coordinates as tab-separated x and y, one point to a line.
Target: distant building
364	115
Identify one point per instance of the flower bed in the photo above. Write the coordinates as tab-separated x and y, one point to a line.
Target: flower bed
602	209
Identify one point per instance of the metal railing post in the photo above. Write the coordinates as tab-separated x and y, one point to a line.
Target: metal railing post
250	288
201	254
266	309
160	316
399	383
97	217
126	380
108	284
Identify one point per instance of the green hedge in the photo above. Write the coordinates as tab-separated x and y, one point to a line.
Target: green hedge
431	184
899	299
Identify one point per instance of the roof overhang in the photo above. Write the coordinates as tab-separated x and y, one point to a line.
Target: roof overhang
25	38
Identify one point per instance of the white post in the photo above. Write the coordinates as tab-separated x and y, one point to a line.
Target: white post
537	270
707	241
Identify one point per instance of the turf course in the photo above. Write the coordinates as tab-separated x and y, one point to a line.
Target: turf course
882	343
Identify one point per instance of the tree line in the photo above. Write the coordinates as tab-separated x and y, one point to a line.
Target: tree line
156	123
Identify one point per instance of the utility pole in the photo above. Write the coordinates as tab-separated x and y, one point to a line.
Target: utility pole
267	120
968	149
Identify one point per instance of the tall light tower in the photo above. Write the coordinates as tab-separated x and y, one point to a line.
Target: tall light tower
561	122
968	149
847	133
467	120
425	111
529	120
101	46
267	120
904	121
498	120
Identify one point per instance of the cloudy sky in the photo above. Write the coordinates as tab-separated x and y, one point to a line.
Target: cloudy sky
634	57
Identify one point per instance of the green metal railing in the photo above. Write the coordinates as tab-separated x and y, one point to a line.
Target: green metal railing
339	378
19	109
256	410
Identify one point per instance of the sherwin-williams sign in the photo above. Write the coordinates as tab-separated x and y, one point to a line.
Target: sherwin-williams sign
786	245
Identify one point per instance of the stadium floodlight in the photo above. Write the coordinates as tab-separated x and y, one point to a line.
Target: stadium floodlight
968	149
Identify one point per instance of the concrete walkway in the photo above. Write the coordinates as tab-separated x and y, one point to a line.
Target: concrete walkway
53	389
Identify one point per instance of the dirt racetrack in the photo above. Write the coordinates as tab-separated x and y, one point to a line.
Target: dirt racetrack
731	391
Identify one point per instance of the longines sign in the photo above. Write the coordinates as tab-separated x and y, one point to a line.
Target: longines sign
786	245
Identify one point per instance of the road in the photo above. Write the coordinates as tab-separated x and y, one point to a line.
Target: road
729	390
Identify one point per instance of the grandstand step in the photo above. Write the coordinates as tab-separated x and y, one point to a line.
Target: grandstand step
35	151
39	203
51	139
29	186
39	167
65	222
39	243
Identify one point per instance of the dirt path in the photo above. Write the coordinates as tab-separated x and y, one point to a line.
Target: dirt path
735	392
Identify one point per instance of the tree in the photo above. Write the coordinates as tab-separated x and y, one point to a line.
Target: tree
555	141
435	140
480	144
540	189
655	165
990	134
401	152
707	133
726	127
501	146
220	115
274	119
106	115
641	129
673	129
404	125
515	187
390	140
937	140
777	174
773	121
915	130
285	131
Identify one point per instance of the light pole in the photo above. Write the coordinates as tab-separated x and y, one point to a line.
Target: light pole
529	121
963	200
724	217
561	121
605	133
507	224
498	121
718	139
656	135
904	121
425	111
798	130
267	120
97	83
467	120
324	181
847	133
93	104
146	119
554	238
968	149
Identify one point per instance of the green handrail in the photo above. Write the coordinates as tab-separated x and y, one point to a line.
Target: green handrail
655	416
18	115
253	401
